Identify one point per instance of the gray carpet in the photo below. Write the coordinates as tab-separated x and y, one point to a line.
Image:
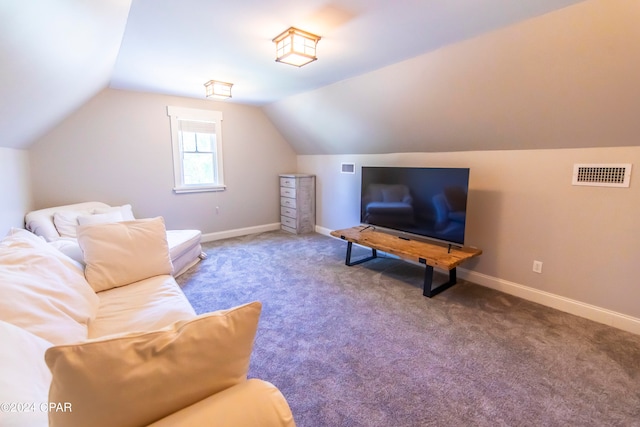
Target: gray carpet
361	346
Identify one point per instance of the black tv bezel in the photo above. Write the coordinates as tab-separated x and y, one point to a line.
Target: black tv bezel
409	235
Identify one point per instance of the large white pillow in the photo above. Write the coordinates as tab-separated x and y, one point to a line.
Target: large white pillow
42	290
102	218
117	254
137	379
66	222
24	378
125	210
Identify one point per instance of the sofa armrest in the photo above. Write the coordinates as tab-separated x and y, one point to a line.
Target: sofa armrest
251	403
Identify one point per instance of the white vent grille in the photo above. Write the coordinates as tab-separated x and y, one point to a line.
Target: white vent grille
348	168
602	175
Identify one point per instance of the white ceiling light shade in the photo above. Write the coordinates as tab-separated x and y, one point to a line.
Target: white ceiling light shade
217	89
296	47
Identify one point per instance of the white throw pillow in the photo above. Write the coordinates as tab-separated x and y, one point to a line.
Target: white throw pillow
66	222
137	379
103	218
70	247
42	290
24	378
120	253
125	211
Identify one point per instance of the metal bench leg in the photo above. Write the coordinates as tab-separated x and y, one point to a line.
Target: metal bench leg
428	290
374	254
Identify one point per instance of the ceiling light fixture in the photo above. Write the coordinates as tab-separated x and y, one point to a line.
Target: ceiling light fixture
217	89
296	47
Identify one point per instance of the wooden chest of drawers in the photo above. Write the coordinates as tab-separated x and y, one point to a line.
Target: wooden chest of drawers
298	203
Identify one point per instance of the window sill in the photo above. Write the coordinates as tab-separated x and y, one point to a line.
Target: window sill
181	190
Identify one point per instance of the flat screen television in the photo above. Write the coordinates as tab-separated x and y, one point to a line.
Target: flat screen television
423	202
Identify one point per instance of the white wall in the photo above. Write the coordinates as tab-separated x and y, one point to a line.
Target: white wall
522	207
117	149
15	191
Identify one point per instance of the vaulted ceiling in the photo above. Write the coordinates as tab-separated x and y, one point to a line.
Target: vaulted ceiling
57	54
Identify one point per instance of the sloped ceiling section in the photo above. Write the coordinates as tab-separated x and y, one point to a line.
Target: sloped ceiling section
174	47
55	55
565	79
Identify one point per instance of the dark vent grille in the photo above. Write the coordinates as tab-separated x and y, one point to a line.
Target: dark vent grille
608	175
614	175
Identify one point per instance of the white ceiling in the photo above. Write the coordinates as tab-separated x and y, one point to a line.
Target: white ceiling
174	47
57	54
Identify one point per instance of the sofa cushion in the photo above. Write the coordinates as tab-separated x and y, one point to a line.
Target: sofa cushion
69	246
42	290
120	253
66	222
24	377
147	305
185	249
102	218
154	374
41	222
125	210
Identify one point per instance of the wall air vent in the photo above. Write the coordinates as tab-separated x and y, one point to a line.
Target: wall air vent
602	175
348	168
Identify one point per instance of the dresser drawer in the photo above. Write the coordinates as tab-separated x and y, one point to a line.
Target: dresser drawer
288	222
288	192
290	203
289	229
291	213
287	182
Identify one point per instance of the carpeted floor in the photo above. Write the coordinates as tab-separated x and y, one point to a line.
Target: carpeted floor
361	346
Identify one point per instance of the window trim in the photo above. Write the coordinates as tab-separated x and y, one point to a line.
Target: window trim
181	113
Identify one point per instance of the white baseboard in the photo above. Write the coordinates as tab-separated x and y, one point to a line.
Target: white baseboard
587	311
567	305
322	230
210	237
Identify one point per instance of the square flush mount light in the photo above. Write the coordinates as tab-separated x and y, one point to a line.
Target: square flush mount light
296	47
218	90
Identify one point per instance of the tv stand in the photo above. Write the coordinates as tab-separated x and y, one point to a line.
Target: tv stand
443	256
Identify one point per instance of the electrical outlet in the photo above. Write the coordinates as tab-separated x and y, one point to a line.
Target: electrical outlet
537	266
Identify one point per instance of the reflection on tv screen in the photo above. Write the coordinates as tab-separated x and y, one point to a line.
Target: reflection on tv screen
429	202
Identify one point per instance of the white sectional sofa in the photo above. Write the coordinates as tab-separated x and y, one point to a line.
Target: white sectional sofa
58	224
117	343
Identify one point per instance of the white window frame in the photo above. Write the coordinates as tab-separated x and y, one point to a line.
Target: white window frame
192	114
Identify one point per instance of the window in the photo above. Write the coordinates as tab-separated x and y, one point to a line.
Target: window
196	136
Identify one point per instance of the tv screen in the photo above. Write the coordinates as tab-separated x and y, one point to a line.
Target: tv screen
429	202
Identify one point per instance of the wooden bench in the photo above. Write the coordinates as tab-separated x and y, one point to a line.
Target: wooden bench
440	255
